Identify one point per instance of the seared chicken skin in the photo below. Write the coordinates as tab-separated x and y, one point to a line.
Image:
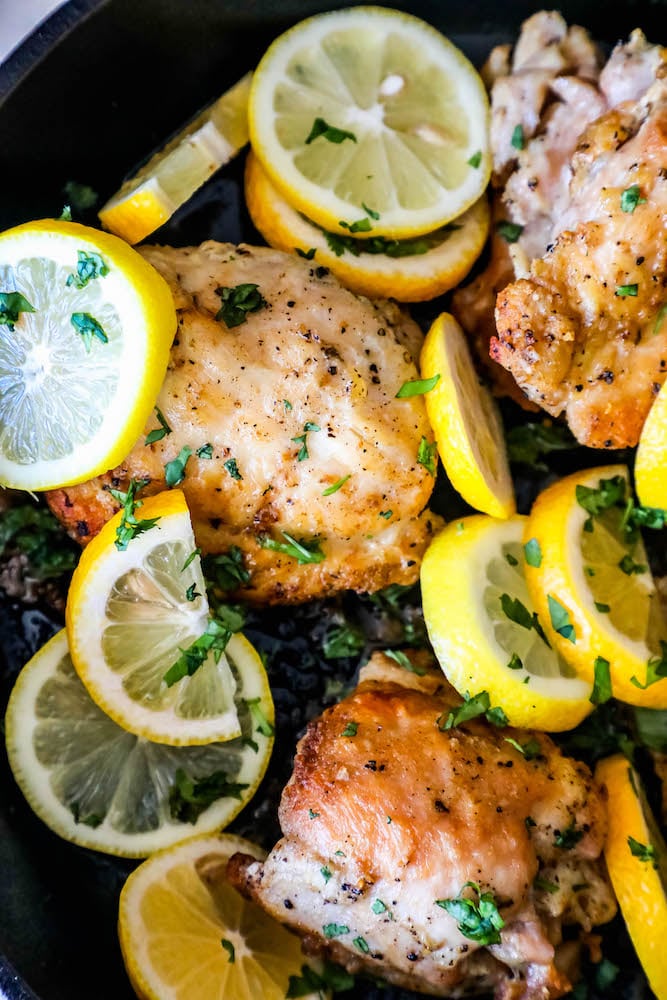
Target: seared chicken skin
387	813
295	411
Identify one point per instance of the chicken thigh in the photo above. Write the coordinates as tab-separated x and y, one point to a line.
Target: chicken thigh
281	397
443	859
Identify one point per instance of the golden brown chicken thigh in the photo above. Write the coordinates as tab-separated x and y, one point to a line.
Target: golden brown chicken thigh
293	426
388	815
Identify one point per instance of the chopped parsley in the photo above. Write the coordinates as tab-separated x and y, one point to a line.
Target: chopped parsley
312	814
329	978
602	682
343	640
426	455
359	226
630	198
262	724
213	640
377	906
174	471
560	619
339	243
301	439
656	669
88	327
303	550
386	514
515	663
370	211
325	873
320	127
12	304
604	609
35	532
191	558
479	704
229	948
543	885
129	526
190	797
417	388
626	290
351	729
306	254
227	570
335	930
517	139
232	468
517	612
192	593
510	231
89	267
645	852
475	159
531	749
527	443
628	566
533	553
480	921
206	451
404	661
362	944
159	432
237	302
569	837
330	490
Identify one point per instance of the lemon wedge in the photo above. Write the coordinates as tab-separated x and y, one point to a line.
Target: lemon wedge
466	421
86	325
651	458
593	587
371	109
140	633
636	857
99	786
186	934
481	624
406	270
148	199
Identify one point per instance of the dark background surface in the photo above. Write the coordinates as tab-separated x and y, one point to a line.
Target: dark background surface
86	98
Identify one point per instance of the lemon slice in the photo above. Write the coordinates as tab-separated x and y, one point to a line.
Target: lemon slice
369	108
405	270
186	934
593	588
636	857
148	199
479	617
130	616
85	330
466	421
99	786
651	459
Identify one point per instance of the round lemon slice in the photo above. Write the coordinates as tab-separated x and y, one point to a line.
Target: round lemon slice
481	624
148	199
406	270
636	857
86	325
140	633
186	934
593	587
651	459
99	786
368	120
466	421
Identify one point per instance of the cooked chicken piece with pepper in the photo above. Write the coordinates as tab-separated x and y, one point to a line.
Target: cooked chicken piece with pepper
442	857
584	333
279	411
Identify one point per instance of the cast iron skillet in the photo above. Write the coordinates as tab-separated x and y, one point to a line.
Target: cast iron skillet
85	98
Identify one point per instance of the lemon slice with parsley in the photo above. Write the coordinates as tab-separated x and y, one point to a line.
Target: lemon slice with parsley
466	421
371	109
636	857
86	325
187	934
149	198
140	633
484	631
99	786
593	587
412	270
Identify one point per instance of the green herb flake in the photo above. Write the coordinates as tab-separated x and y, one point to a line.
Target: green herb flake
330	979
645	852
418	387
237	302
403	660
475	159
205	452
341	641
628	566
190	797
378	907
517	139
601	692
325	873
12	304
303	550
656	669
287	405
608	493
517	612
510	231
515	663
34	532
560	620
569	837
533	553
88	327
473	706
192	593
227	570
362	944
427	455
232	468
630	198
312	814
604	609
320	127
480	921
528	443
66	214
350	729
359	226
174	471
531	749
306	254
129	527
262	724
302	439
627	290
213	640
89	267
335	930
159	432
386	514
229	948
510	559
543	885
330	490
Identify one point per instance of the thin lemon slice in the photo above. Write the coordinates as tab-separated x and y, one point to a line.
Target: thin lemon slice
405	270
148	199
371	109
466	421
130	616
85	330
593	587
186	934
651	459
636	857
480	622
99	786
